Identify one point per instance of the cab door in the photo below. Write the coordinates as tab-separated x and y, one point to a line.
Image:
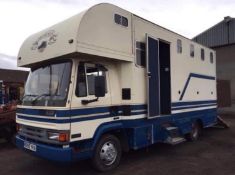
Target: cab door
88	111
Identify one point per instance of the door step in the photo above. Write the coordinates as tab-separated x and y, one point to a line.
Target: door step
174	136
171	128
174	140
172	131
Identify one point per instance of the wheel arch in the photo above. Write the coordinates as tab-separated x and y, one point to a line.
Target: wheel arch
115	129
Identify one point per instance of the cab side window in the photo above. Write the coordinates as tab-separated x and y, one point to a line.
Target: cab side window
81	88
86	79
91	73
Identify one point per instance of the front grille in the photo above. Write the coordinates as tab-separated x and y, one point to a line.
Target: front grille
36	134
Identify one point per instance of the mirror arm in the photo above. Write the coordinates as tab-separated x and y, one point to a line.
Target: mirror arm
85	102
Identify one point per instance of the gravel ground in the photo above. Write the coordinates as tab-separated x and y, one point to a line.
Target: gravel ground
212	154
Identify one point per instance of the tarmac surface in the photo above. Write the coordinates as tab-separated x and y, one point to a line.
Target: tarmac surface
212	154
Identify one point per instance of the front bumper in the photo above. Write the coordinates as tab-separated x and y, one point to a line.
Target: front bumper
53	153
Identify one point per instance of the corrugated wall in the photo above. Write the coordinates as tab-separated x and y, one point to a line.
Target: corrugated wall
232	31
221	34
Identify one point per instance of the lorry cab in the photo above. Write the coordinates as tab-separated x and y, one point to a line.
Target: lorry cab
106	81
59	88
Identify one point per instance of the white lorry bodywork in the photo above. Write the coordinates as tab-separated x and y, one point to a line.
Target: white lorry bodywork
98	36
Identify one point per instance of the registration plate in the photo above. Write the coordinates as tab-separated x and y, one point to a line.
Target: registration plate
30	146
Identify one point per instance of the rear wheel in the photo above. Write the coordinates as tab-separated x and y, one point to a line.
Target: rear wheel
195	132
107	153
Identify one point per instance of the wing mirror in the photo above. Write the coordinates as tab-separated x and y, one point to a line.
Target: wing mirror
99	86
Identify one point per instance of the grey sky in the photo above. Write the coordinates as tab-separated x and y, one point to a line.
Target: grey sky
21	18
9	62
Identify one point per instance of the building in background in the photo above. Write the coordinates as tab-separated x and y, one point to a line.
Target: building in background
221	37
11	85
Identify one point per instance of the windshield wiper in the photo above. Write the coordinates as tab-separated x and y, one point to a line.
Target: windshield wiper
36	98
28	95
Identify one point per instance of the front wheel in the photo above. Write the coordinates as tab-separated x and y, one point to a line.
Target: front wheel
107	153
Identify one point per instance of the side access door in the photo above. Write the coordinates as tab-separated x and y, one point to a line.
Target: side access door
153	79
159	77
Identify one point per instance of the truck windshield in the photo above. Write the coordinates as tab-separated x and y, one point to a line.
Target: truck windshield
48	85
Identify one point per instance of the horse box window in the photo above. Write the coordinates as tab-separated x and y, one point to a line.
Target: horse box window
211	57
202	54
121	20
140	54
191	50
179	46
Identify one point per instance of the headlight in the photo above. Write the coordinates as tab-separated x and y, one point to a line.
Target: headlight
61	137
18	127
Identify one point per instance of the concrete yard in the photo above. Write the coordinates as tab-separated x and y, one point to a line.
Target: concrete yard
212	154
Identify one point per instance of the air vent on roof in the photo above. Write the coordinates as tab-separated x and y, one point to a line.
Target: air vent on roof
121	20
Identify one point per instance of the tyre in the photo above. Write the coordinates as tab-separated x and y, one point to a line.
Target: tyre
107	153
195	132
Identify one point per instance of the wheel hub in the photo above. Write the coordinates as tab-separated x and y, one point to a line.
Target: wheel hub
195	131
108	153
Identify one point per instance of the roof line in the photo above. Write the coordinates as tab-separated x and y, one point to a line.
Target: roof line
170	30
224	20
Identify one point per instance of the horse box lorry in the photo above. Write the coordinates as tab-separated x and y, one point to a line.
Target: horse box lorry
106	81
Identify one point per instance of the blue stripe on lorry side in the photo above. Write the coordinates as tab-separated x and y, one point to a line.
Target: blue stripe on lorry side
192	107
63	113
98	111
185	103
74	112
87	118
73	120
